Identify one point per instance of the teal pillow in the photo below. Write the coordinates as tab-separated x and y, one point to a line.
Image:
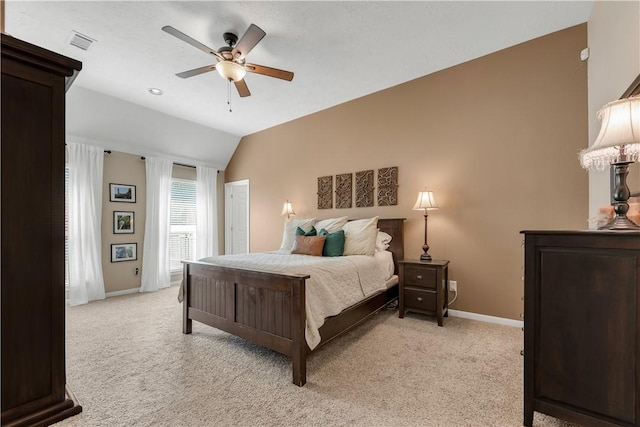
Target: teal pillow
301	232
334	244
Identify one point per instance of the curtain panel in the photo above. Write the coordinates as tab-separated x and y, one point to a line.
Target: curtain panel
155	257
207	212
86	281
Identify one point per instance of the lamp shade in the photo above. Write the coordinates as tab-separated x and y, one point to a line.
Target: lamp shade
230	70
287	209
425	200
619	137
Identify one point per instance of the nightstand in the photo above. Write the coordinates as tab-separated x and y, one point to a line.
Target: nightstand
424	287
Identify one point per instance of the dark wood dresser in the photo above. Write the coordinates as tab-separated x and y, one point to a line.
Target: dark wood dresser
581	326
33	327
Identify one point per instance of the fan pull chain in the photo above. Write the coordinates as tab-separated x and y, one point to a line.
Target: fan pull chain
229	95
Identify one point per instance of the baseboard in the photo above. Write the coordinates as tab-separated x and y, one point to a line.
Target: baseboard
485	318
119	293
134	290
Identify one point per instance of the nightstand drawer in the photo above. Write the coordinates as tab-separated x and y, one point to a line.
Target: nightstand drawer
419	276
421	300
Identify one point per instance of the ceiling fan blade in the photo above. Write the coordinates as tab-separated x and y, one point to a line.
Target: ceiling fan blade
196	71
185	38
268	71
249	40
243	90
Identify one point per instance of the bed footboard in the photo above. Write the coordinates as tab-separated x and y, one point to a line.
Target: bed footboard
265	308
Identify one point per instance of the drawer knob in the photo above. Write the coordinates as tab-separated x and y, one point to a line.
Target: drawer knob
419	277
419	298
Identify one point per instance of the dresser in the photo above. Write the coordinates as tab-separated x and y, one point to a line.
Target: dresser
33	313
581	326
424	287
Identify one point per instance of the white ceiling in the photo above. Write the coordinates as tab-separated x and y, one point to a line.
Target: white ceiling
338	50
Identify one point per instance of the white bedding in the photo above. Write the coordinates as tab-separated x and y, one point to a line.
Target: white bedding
335	283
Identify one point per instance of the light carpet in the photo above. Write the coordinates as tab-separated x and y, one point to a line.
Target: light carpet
129	364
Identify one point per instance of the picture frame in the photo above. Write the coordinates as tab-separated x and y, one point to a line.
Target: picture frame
123	222
124	252
122	193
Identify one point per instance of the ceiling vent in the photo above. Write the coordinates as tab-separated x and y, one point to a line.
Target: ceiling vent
80	40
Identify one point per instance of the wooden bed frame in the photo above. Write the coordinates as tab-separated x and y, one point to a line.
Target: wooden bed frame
269	308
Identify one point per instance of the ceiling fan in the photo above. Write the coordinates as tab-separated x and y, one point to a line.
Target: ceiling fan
231	63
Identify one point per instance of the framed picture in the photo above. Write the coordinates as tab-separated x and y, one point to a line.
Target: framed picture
123	222
122	193
124	252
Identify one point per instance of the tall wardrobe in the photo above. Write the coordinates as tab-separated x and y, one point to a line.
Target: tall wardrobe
34	390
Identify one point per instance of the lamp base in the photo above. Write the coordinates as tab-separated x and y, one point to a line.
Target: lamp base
620	223
425	257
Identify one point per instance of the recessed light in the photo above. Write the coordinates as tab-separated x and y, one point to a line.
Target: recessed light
155	91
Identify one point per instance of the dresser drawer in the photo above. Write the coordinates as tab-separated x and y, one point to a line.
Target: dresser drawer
420	300
419	276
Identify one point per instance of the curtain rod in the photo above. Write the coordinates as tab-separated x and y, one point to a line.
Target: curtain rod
178	164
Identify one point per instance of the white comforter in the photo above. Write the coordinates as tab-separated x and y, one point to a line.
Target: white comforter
335	283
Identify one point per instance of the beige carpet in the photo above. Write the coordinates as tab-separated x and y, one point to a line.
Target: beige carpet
128	363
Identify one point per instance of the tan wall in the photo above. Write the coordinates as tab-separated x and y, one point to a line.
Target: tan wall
496	139
123	168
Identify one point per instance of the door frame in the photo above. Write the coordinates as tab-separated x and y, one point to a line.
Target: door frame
228	213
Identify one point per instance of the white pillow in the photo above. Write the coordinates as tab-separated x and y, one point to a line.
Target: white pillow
385	260
332	224
360	236
382	241
289	234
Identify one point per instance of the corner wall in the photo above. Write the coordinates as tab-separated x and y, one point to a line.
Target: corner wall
124	168
495	138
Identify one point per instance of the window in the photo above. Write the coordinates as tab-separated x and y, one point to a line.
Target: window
182	233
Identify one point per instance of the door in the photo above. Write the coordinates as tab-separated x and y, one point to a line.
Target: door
236	218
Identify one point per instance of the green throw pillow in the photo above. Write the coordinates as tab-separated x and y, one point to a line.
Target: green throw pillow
301	232
334	245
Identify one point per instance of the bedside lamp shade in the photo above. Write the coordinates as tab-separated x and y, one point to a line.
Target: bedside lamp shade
425	201
619	137
287	209
617	144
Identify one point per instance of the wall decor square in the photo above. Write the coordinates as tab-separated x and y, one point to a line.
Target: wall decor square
123	222
122	193
343	190
124	252
325	192
364	189
388	186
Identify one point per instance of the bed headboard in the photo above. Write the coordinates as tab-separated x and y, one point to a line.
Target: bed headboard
395	228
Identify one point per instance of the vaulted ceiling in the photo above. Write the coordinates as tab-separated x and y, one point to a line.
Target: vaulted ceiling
338	51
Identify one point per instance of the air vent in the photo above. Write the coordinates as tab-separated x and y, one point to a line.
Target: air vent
80	40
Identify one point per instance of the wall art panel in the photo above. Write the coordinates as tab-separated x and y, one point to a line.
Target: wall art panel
364	189
388	186
325	192
343	190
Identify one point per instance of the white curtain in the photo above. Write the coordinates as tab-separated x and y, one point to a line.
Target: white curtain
155	257
86	282
207	212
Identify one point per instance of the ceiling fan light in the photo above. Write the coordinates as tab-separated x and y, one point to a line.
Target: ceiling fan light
230	70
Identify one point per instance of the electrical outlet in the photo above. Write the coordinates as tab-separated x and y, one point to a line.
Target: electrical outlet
136	271
453	286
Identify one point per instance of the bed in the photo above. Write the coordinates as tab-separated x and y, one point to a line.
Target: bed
268	308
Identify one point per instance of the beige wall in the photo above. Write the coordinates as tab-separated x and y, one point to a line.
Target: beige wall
614	62
496	139
123	168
